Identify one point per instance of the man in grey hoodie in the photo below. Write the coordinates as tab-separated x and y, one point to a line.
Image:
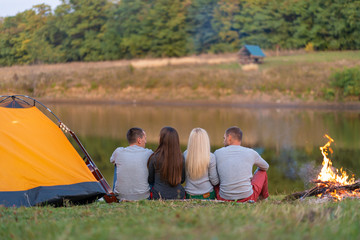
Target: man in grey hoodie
234	164
131	181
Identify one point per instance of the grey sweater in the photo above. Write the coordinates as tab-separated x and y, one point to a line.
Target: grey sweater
132	173
234	164
205	183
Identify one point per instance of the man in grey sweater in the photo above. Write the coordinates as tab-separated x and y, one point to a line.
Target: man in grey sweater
234	164
131	181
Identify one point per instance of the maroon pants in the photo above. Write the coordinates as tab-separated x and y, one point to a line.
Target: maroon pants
259	184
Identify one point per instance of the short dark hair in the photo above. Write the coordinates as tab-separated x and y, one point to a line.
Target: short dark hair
133	134
235	132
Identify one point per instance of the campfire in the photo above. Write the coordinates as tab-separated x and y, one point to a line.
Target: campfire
331	184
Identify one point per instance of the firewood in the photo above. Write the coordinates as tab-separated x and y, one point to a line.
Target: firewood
321	189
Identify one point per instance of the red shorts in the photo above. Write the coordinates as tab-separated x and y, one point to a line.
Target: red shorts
259	184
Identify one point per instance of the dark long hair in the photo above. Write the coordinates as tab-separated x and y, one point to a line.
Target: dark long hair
169	159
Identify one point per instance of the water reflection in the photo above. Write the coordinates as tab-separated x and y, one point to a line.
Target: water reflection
262	127
290	138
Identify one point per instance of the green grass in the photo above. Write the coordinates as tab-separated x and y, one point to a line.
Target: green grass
185	220
314	57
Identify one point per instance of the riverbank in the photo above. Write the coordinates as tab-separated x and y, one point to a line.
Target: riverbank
293	80
241	103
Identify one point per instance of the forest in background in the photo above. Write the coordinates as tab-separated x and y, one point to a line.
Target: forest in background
98	30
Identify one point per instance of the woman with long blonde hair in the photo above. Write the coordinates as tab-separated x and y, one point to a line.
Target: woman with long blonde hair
200	166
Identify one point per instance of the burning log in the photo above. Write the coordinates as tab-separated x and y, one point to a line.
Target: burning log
335	185
322	189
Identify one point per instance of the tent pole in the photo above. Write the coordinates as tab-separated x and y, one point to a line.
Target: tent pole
110	196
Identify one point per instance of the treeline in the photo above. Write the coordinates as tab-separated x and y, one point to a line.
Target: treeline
96	30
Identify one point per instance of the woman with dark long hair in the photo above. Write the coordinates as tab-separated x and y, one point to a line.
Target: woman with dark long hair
166	167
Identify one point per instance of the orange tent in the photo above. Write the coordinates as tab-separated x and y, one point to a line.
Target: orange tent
38	163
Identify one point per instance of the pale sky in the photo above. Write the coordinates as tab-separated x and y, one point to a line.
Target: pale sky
12	7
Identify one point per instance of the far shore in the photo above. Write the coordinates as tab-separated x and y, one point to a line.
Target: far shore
296	80
198	103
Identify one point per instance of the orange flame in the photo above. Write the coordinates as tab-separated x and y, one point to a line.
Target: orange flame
328	177
327	174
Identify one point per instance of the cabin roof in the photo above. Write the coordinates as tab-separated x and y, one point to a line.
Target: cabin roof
254	50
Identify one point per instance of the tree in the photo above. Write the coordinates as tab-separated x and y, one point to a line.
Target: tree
45	45
8	29
166	28
124	33
227	24
18	34
82	22
200	25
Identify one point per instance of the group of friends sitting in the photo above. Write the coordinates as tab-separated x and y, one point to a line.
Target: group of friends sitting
226	174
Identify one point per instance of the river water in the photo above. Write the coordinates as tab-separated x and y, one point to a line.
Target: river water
287	138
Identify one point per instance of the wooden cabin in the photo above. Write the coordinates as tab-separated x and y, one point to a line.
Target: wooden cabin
250	54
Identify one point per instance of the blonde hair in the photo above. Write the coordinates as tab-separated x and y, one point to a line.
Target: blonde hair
198	153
